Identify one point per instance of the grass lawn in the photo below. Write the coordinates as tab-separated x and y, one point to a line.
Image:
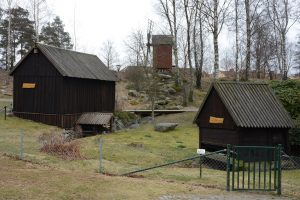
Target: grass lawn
24	180
43	176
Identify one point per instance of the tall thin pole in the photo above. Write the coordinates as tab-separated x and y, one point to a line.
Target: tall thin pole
74	19
9	63
100	155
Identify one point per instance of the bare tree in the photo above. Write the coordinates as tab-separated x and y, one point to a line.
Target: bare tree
109	54
39	11
188	11
237	48
169	10
215	13
136	48
198	46
252	11
283	14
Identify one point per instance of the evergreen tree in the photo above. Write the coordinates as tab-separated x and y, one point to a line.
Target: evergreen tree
55	35
21	33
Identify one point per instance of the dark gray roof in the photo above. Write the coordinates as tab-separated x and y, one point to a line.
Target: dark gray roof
75	64
95	118
162	39
252	105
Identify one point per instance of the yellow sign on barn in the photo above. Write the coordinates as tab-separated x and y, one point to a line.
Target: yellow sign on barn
216	120
28	85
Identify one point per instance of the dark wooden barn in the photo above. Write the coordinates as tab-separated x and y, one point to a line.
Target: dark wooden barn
242	114
55	86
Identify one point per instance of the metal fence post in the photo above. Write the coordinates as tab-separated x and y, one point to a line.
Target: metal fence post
279	169
100	156
200	164
5	112
228	167
21	144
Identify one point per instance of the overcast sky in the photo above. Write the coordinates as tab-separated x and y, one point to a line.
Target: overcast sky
100	20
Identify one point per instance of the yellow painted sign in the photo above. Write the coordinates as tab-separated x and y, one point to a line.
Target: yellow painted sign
216	120
28	85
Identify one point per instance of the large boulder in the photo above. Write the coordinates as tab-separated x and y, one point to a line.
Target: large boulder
164	76
164	127
133	93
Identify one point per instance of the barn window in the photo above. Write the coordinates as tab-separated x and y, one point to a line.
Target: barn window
28	85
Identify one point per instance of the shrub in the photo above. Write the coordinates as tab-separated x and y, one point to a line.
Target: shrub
289	94
55	143
126	116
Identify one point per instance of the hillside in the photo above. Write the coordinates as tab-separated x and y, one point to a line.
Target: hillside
6	84
42	176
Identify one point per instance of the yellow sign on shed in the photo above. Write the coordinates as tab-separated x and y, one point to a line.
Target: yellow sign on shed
216	120
28	85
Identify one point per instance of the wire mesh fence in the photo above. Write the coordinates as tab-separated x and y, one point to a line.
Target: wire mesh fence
171	161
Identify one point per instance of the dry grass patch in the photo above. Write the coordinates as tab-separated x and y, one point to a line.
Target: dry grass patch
55	143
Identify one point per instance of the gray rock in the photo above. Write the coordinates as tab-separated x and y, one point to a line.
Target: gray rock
171	90
179	107
165	76
161	102
146	120
134	126
164	127
133	93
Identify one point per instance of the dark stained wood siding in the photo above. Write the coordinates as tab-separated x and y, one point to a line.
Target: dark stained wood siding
218	137
44	97
57	100
84	95
264	137
214	107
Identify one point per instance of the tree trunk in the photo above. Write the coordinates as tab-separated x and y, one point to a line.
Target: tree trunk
248	46
175	48
215	40
284	59
9	62
237	77
216	54
188	32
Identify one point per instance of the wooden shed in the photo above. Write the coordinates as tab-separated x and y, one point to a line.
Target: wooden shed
242	114
55	86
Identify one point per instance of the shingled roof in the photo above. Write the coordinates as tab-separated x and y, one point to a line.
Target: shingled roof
251	105
74	64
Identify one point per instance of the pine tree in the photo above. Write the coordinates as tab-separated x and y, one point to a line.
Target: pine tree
55	35
21	33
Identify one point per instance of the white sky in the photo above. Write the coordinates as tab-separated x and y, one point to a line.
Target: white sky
101	20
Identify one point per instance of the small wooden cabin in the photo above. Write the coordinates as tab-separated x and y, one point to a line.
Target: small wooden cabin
242	114
55	86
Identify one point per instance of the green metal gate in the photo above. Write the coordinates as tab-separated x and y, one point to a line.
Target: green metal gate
254	168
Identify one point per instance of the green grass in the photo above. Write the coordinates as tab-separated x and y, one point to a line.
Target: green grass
4	103
123	152
24	180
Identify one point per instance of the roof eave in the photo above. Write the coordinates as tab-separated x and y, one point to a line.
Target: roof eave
20	61
202	104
